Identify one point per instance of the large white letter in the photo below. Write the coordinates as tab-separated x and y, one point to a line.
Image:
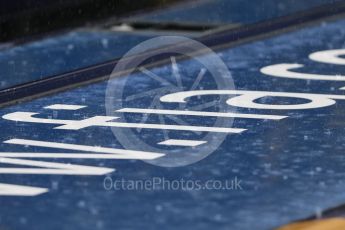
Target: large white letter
20	190
105	121
329	56
283	70
247	98
51	168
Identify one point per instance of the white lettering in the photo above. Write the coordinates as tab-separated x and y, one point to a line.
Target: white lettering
283	70
247	98
329	56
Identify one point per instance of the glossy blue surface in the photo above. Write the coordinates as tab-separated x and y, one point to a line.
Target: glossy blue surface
81	48
289	169
59	54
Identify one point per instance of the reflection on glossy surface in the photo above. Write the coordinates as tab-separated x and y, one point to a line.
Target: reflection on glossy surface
66	52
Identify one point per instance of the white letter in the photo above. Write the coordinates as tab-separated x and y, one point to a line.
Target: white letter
283	70
247	98
51	168
20	190
103	121
329	56
201	113
112	153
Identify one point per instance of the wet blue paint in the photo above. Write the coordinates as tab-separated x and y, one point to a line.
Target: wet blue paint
289	168
60	54
81	48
